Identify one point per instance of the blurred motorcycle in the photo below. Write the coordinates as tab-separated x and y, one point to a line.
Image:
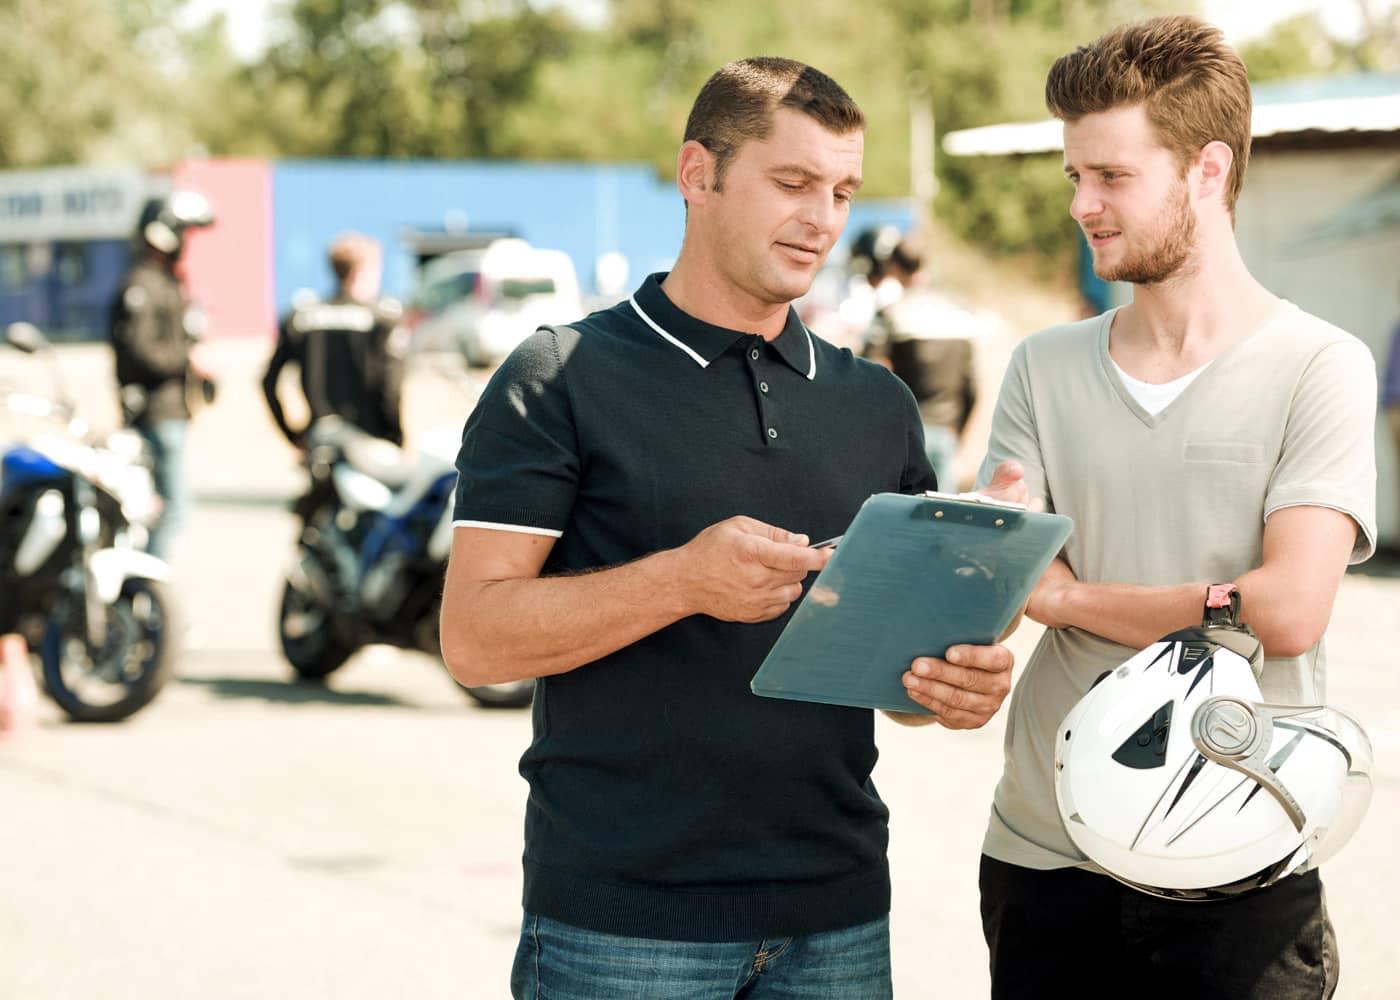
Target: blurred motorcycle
376	532
75	509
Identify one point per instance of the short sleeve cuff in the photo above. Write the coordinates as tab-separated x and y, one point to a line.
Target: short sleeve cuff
1365	546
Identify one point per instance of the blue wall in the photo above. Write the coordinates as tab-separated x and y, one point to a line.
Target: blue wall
583	209
71	297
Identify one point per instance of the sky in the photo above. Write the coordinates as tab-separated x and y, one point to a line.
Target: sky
1240	19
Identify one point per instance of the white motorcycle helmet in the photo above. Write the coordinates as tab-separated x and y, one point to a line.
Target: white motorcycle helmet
1175	777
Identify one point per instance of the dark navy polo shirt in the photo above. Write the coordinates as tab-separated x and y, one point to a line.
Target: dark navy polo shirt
666	800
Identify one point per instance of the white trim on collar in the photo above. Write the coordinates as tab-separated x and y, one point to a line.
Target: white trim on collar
657	327
811	347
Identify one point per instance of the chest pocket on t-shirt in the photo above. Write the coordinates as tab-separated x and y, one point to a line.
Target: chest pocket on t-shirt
1231	452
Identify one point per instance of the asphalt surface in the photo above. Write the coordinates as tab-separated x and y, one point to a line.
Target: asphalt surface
249	837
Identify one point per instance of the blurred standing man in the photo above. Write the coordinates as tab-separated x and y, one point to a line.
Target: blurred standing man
927	342
1390	390
636	496
349	349
1209	432
153	336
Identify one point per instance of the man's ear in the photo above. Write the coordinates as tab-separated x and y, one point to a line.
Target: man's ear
1213	166
695	172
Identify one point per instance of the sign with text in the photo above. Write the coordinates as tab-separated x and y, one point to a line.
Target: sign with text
78	203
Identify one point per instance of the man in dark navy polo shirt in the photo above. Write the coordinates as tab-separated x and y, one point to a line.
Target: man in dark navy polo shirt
636	498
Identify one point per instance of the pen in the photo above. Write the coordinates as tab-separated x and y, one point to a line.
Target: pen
829	543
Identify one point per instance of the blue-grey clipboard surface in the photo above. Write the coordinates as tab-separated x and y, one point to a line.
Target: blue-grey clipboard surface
912	576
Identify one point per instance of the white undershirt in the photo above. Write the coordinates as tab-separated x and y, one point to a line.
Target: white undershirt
1156	398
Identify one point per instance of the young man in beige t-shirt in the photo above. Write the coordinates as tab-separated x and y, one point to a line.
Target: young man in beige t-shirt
1209	432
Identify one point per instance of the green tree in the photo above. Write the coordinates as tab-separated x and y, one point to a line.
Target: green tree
1300	46
90	83
375	78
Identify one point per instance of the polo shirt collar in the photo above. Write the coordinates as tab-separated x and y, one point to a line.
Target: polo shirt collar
703	342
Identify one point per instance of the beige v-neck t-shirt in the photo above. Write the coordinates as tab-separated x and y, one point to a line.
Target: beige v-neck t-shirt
1285	417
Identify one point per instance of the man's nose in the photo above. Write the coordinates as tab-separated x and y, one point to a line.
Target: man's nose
1085	204
820	212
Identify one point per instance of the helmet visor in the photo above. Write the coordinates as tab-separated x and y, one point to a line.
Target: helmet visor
1343	731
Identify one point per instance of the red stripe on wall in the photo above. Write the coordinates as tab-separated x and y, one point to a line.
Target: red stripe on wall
228	266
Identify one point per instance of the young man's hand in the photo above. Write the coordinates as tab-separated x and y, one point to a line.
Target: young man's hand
1008	483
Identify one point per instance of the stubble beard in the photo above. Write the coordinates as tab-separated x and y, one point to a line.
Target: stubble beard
1170	257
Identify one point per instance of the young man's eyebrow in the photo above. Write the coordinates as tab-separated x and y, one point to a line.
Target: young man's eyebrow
1070	168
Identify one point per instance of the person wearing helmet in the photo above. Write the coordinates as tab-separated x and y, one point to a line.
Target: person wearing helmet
1207	433
348	349
929	343
154	332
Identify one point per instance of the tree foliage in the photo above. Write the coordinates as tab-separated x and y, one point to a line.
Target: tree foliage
88	83
510	79
1301	46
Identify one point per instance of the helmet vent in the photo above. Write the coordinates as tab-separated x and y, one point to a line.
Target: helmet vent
1192	653
1147	747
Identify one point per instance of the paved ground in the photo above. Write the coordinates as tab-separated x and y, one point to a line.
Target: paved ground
245	837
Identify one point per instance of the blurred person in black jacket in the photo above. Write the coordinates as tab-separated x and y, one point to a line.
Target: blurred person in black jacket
349	349
928	342
154	333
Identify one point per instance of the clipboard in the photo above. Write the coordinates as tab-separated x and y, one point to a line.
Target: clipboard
911	576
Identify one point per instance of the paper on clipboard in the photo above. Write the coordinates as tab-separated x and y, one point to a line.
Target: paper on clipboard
912	576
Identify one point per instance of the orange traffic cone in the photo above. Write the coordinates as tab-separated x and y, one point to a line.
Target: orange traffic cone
19	695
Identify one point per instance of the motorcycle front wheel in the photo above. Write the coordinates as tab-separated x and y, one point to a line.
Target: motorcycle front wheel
309	636
123	675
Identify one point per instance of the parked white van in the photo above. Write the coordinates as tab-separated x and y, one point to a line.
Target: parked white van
485	302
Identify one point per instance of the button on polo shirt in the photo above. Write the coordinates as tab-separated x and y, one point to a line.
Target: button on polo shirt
666	799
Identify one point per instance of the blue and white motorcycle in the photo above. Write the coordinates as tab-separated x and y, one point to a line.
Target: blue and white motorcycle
74	513
376	530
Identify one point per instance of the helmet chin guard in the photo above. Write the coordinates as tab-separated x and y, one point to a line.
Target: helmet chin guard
1175	777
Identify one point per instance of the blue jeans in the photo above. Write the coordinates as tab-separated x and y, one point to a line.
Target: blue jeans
941	446
167	441
560	962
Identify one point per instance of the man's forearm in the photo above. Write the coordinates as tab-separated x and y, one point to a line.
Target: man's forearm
1284	613
510	629
1133	615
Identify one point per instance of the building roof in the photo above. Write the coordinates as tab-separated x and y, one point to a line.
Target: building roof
1354	103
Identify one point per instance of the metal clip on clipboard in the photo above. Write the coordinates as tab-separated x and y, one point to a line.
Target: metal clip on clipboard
970	497
974	497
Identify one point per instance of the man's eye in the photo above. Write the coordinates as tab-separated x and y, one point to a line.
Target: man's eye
787	186
1110	176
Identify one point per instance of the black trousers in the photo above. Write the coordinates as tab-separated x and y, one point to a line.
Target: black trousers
1072	933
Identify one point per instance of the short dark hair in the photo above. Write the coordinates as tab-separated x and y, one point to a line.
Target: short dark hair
737	104
1191	83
